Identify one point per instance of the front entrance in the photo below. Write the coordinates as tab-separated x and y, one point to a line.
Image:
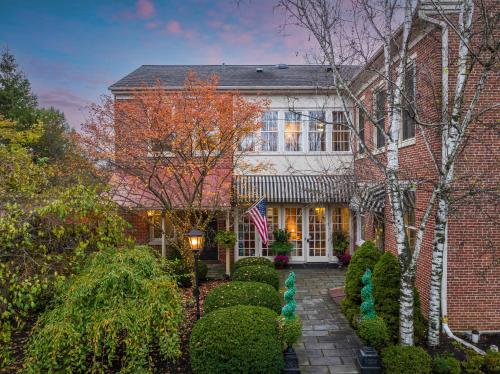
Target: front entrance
210	248
317	239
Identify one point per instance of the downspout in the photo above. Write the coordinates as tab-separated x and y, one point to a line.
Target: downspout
444	111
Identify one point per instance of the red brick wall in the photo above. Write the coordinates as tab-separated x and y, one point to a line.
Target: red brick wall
473	271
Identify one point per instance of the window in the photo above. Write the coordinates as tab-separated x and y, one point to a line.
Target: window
340	132
247	144
409	102
273	224
162	145
361	132
269	132
380	116
293	132
317	134
293	224
340	219
246	237
317	232
409	217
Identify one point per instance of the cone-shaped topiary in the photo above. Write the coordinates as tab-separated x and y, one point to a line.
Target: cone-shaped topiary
366	256
367	307
386	284
288	311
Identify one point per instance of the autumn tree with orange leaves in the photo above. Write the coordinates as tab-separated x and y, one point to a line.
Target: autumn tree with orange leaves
173	151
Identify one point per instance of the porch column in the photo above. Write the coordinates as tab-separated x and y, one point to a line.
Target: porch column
228	253
163	236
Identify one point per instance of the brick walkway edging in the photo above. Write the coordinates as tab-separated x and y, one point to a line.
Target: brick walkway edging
328	344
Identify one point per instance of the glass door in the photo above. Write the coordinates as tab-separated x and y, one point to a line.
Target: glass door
317	241
293	224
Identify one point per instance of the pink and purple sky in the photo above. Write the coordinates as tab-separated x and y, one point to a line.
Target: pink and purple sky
73	50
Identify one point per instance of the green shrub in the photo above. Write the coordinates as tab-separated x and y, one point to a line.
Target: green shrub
253	261
179	271
473	363
374	332
238	339
386	284
364	257
118	312
492	362
281	244
243	293
446	365
263	274
350	310
398	359
291	331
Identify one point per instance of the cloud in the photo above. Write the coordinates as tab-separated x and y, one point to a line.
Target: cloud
173	27
145	8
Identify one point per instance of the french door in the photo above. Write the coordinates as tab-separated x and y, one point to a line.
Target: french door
317	239
294	225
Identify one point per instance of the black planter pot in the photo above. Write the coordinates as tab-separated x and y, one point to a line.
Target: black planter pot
368	361
291	362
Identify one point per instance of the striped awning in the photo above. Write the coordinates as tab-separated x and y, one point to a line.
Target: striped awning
368	198
292	188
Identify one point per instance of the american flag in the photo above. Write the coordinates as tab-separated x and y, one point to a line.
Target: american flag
258	216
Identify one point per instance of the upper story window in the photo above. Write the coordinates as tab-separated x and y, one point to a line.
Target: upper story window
293	132
162	145
269	132
409	103
380	116
361	131
340	132
247	144
317	133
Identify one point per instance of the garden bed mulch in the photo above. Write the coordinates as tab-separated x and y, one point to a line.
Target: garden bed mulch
182	365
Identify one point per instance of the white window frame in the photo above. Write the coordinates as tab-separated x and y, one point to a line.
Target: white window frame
409	141
268	132
343	130
316	120
301	133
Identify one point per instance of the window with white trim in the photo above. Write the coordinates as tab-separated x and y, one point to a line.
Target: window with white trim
408	115
340	132
380	98
273	224
293	132
246	236
269	132
247	144
317	133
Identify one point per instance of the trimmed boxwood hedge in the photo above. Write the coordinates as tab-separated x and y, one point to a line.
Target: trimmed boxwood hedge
239	339
242	293
398	359
263	274
253	261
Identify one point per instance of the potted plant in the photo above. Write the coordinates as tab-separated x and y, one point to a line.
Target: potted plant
227	240
281	247
340	245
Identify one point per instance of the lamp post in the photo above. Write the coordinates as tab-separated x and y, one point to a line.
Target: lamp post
195	238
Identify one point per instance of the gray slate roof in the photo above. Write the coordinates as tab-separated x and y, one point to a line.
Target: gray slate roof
239	76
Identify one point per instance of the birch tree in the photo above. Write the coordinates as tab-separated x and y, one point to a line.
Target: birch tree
352	35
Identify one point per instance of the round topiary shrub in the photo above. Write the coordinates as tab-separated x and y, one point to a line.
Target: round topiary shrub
238	339
263	274
374	332
366	256
242	293
116	315
291	331
398	359
446	365
253	261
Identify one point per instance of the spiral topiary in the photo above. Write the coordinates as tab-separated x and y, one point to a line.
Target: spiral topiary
288	311
367	307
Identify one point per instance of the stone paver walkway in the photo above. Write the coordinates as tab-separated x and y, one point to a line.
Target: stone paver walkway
328	343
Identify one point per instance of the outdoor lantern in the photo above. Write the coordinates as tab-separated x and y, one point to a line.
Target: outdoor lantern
196	240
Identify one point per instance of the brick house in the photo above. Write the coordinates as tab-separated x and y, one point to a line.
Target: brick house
471	281
308	184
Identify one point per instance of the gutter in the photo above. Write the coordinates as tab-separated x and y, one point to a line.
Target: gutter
444	112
